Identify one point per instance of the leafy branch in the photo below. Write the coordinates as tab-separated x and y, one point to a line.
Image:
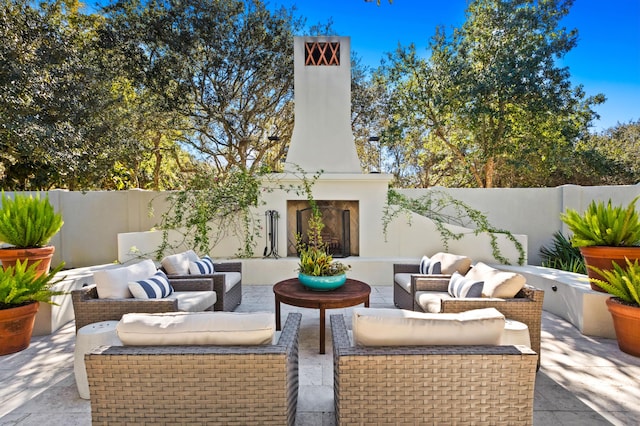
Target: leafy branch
444	210
221	200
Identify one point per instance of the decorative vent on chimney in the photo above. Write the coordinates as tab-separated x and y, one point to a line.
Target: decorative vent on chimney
322	53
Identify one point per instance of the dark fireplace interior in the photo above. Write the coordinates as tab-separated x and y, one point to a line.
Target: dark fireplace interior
340	233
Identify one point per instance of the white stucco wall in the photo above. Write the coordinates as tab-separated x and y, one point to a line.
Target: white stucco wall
94	219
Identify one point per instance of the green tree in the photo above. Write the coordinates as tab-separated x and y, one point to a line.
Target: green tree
226	67
614	154
492	95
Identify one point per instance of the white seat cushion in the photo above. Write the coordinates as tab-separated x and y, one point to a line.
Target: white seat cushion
394	327
199	328
113	283
431	301
194	301
404	281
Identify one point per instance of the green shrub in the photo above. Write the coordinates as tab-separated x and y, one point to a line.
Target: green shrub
604	225
623	283
20	284
561	254
28	221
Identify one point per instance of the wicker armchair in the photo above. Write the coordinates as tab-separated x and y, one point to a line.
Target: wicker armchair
88	308
402	297
227	300
196	384
525	307
491	385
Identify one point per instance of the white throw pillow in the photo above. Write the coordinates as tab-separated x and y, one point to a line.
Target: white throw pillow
500	284
461	286
155	287
203	266
447	264
397	327
197	328
113	283
178	264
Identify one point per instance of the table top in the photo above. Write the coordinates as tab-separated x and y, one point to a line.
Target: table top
292	292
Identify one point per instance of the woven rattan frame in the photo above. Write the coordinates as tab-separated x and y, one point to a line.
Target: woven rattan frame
464	385
401	298
88	308
227	301
188	385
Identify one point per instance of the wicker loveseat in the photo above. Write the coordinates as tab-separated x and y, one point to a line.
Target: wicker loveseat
492	385
196	384
525	306
89	308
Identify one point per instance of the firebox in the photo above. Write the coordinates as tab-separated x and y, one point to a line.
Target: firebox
340	233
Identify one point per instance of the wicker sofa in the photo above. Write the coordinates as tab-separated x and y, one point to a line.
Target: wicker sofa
525	307
196	384
89	308
491	385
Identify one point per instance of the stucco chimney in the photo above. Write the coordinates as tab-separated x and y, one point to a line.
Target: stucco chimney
322	136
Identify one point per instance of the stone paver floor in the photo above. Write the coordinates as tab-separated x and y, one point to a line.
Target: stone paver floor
582	381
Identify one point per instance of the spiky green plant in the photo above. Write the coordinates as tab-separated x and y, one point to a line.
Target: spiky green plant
20	284
561	254
604	225
623	283
28	221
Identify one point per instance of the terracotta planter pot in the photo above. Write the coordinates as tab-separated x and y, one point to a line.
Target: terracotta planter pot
9	256
602	257
16	327
626	322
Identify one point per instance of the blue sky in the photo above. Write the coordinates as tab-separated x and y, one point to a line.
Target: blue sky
606	59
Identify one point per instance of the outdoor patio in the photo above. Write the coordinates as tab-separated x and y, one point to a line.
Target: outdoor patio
582	380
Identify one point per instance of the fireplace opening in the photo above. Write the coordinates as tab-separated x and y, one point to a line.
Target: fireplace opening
340	233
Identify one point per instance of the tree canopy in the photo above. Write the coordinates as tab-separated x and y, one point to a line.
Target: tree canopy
491	103
160	94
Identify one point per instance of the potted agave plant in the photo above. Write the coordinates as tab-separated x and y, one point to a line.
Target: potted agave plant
623	283
27	224
22	288
317	270
605	235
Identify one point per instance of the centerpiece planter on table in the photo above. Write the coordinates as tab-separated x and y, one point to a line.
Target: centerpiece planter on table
317	269
605	235
623	283
27	224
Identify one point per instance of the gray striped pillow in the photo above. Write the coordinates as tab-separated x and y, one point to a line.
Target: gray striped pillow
460	286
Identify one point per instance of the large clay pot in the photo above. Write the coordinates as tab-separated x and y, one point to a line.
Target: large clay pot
9	256
602	257
626	322
16	327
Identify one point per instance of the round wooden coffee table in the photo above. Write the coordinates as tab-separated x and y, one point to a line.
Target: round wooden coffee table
292	292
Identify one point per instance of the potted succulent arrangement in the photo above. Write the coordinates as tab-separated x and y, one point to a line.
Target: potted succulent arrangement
22	288
27	224
317	270
623	283
605	235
